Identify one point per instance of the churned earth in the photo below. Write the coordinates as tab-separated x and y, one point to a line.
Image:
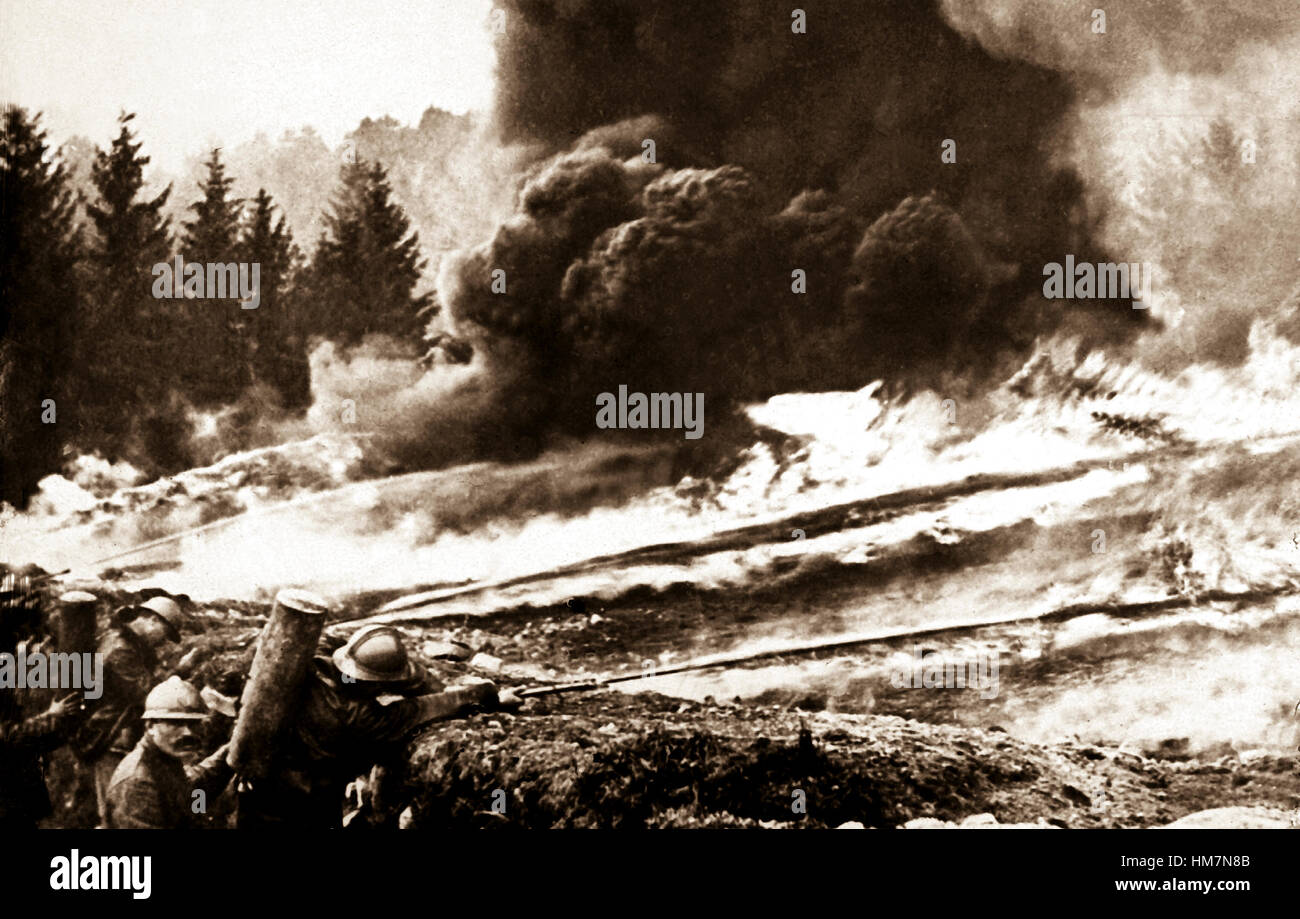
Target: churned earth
609	760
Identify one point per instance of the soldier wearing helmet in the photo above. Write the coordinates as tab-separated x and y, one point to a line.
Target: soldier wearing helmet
24	799
129	650
158	784
357	709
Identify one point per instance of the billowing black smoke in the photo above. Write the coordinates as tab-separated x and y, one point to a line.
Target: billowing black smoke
798	228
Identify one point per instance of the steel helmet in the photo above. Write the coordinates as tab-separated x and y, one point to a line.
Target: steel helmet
174	700
375	654
169	611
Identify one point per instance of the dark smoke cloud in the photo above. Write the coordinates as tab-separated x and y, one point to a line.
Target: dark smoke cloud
775	151
857	105
919	255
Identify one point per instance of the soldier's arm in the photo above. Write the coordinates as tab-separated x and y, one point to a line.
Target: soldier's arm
452	702
39	733
391	723
211	775
134	804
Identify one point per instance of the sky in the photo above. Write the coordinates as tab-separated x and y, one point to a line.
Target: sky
202	73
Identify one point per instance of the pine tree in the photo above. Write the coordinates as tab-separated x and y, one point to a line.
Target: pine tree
125	334
39	250
215	347
366	266
279	355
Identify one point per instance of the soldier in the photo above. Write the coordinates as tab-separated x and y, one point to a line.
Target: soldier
130	656
24	799
156	786
356	709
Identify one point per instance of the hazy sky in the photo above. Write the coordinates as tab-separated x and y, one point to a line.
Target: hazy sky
206	72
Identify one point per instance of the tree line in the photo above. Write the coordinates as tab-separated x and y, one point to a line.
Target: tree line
92	361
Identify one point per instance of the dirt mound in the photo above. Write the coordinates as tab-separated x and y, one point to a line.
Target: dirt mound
647	761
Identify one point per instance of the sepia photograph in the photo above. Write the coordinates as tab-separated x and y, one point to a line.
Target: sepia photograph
466	415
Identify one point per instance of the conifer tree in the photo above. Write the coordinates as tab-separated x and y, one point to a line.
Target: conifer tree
279	350
124	333
214	347
367	263
39	250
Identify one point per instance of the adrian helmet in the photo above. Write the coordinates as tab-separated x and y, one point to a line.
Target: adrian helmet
375	654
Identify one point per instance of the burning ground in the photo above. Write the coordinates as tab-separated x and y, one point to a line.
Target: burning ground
1134	573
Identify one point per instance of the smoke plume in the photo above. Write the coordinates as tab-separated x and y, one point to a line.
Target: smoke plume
1185	134
722	203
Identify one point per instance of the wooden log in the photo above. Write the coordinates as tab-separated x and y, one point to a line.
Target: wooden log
284	653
